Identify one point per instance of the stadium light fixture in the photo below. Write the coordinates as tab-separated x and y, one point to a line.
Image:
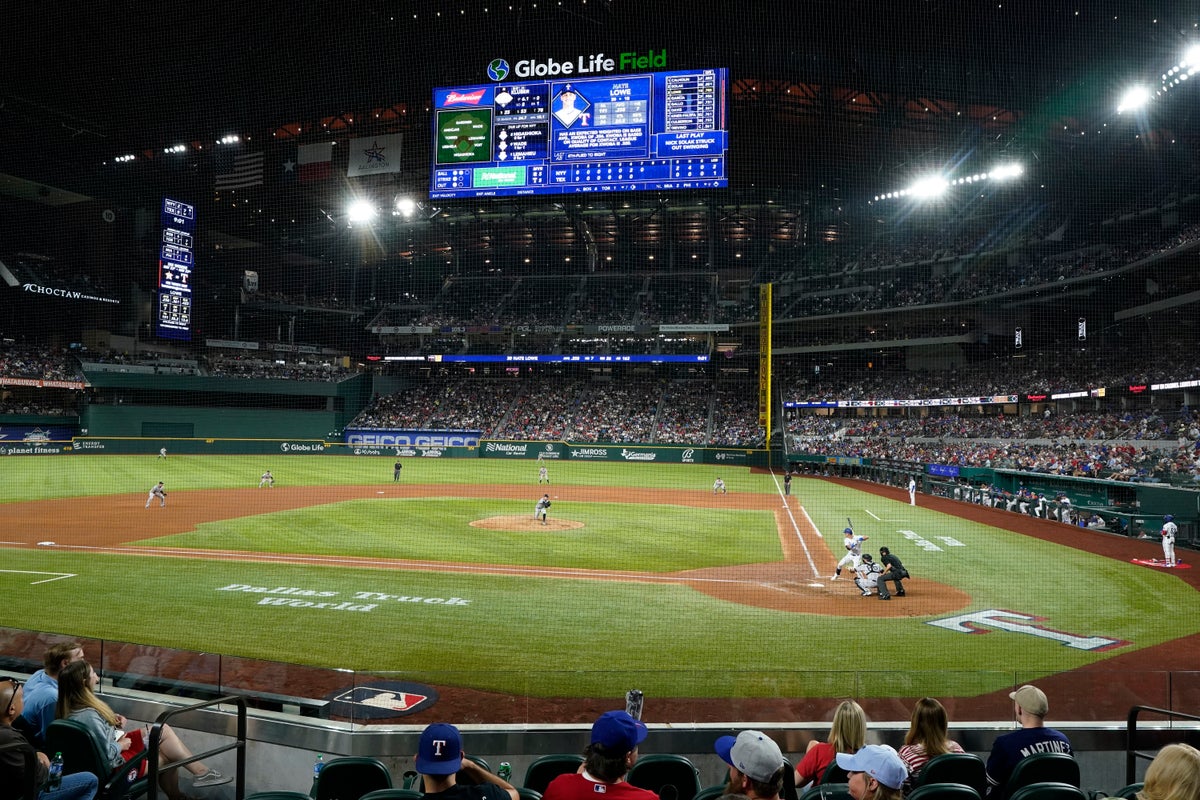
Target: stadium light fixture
361	211
406	206
1134	98
929	187
231	138
1006	172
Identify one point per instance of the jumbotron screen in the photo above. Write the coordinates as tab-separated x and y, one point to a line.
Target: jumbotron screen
662	130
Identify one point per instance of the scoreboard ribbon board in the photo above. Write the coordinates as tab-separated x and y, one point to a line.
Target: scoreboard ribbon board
176	258
663	130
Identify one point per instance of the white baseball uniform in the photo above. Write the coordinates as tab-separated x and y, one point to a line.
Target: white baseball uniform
158	491
853	557
912	491
1169	529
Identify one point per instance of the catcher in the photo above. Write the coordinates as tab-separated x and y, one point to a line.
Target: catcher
543	505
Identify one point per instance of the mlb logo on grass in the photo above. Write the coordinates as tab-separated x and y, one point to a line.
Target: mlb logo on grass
382	699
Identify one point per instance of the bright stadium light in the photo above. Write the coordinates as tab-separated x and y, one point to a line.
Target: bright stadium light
1006	172
1134	98
1191	58
361	211
406	206
932	186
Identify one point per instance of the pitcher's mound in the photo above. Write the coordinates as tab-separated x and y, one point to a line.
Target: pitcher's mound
520	523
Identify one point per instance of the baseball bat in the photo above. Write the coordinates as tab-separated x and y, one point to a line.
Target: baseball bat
851	524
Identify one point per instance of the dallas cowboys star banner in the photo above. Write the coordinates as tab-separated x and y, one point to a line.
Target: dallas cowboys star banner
374	155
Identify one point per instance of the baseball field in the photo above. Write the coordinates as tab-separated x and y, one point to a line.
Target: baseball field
642	576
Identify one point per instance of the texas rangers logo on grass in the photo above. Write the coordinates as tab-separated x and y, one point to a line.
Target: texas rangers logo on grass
382	700
979	622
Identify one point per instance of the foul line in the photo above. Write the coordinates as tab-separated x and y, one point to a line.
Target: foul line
58	575
868	512
796	528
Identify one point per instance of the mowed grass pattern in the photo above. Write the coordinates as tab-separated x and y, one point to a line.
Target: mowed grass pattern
525	634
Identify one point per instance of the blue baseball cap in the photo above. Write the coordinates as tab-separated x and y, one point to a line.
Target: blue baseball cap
877	760
617	731
440	750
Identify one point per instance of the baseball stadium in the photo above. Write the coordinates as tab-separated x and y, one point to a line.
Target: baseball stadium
382	364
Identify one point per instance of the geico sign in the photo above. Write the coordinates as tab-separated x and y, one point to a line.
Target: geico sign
418	440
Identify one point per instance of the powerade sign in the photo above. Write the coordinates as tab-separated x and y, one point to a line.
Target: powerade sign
498	69
370	437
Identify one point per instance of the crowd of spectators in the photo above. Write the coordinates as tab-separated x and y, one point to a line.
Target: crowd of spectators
41	362
258	368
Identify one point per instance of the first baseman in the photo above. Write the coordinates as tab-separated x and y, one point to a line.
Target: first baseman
158	491
853	555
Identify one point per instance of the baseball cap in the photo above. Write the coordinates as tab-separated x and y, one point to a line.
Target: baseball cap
877	760
848	530
617	731
751	753
440	750
1032	699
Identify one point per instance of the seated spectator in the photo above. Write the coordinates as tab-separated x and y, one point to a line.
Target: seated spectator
439	761
756	765
847	734
1030	706
78	786
876	773
77	700
927	737
41	691
613	750
1174	774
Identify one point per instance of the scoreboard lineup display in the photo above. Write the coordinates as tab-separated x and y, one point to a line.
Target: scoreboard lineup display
662	130
175	263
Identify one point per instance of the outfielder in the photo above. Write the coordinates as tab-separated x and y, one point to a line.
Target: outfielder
853	555
158	491
868	574
543	505
267	480
1169	529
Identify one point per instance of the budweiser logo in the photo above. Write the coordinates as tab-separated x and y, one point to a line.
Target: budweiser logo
467	98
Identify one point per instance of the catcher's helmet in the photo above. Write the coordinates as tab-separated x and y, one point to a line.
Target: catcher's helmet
1169	518
848	530
867	558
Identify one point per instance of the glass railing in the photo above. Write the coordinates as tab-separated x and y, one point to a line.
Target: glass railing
537	695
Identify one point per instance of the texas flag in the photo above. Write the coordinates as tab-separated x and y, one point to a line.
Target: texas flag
315	161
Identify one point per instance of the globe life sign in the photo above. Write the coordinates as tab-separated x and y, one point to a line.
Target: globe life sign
498	68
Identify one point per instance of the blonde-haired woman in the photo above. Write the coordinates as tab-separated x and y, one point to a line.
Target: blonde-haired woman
1174	774
77	700
927	737
847	734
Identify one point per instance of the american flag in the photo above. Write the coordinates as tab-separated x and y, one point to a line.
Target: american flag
238	170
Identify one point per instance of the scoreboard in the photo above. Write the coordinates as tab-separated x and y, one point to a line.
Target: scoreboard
662	130
176	258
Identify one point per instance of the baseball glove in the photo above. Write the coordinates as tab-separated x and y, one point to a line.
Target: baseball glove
547	504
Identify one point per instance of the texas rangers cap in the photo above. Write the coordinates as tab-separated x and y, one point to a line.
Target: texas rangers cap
752	753
440	750
877	760
618	732
1032	699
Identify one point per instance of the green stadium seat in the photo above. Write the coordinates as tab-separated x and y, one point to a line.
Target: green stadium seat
546	768
1043	768
352	777
965	768
1048	790
943	791
82	753
655	771
827	791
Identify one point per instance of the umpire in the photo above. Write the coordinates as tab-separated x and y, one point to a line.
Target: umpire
893	571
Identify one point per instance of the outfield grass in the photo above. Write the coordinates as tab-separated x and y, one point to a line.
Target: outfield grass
555	636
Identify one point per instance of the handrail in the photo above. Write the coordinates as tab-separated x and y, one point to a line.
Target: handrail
1131	754
238	744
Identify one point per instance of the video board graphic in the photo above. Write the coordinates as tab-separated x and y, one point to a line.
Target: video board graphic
176	258
661	130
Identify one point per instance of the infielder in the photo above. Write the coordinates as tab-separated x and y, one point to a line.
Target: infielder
719	487
267	480
868	574
543	475
158	491
912	491
543	505
853	555
162	453
1169	529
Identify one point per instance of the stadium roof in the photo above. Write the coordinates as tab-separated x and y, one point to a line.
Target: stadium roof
831	99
